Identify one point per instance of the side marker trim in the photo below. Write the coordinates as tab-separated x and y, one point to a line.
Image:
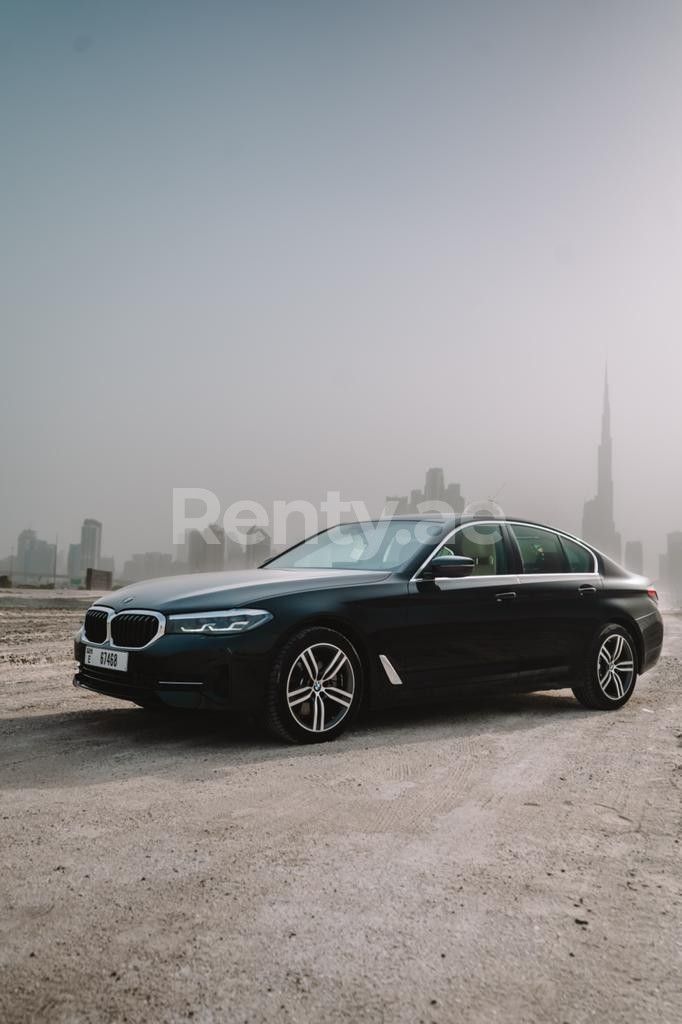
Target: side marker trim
393	676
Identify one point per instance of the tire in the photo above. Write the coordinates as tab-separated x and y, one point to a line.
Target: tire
602	688
301	706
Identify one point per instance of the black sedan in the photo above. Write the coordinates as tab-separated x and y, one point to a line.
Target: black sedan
389	612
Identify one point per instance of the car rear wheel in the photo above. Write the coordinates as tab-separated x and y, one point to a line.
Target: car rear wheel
611	670
315	687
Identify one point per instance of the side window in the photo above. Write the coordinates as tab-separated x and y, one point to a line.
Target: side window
485	544
579	558
541	550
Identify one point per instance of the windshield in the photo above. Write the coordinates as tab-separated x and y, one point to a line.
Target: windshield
386	545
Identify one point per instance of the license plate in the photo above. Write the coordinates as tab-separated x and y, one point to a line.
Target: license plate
117	660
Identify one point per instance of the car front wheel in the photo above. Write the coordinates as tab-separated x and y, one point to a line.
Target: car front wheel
611	670
315	687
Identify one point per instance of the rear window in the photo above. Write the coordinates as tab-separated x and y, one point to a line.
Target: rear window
541	550
579	558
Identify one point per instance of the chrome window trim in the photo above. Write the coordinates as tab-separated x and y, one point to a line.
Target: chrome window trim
471	582
558	577
112	613
517	577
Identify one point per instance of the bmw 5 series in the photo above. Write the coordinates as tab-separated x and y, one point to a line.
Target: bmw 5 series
397	611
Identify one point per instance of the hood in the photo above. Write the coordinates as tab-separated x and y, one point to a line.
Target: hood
212	591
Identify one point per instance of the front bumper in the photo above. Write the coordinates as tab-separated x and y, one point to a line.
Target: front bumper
191	672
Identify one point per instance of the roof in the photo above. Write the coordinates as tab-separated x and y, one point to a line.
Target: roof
459	519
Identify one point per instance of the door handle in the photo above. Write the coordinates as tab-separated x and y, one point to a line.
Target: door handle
507	595
587	588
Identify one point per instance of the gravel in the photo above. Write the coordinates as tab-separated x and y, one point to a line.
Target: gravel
515	858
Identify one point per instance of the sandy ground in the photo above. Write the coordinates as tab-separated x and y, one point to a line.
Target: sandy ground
508	860
47	599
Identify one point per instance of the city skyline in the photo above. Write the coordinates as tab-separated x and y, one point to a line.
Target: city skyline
506	491
197	554
300	278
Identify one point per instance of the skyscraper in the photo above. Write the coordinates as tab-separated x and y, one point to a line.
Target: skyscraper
73	565
35	558
598	524
196	546
25	548
435	496
671	567
91	545
206	551
434	486
214	556
234	553
148	565
257	547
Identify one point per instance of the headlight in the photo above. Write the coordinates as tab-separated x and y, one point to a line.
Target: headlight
238	620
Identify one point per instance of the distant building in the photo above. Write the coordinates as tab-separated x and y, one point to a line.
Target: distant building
206	551
61	563
149	565
91	545
25	549
73	562
196	546
634	556
398	503
662	570
435	494
215	553
670	565
453	498
234	554
434	484
598	524
257	547
35	560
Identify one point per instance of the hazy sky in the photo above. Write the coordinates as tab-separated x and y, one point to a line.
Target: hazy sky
276	248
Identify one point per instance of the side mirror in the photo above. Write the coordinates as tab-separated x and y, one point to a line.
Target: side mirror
449	566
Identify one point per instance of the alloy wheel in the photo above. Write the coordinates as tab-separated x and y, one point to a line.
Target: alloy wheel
320	687
615	667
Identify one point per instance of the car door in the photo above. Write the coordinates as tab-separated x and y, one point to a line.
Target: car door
460	631
557	603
